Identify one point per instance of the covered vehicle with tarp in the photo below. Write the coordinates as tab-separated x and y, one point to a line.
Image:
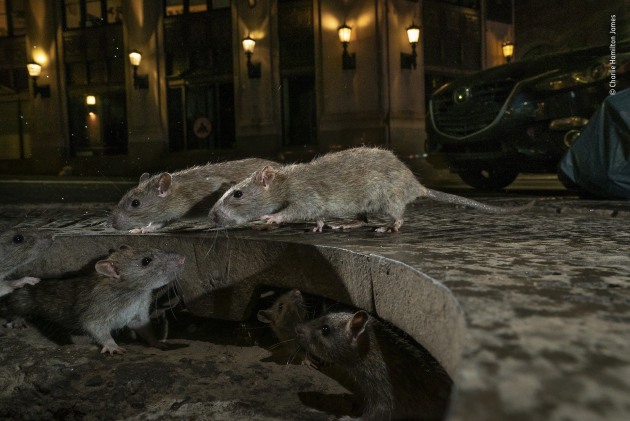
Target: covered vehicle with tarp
598	163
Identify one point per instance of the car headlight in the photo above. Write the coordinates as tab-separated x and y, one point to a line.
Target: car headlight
593	74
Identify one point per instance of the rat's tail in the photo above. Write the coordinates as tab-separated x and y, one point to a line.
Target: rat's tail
459	200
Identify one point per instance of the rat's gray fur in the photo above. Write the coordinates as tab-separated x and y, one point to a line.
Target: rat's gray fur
20	246
398	380
168	197
345	185
117	294
285	314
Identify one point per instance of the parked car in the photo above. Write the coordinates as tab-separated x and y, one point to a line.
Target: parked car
520	117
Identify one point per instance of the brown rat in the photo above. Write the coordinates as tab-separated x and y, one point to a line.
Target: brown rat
166	197
399	380
345	184
117	294
286	313
19	246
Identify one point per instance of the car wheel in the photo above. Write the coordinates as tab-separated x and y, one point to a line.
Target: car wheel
490	179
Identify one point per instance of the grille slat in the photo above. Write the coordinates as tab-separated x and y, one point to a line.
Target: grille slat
477	112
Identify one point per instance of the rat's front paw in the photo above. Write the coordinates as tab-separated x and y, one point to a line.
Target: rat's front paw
27	280
393	228
113	349
17	323
272	219
307	361
146	230
319	227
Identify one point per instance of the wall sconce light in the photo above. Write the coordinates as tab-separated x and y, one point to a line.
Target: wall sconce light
34	70
139	81
408	61
348	60
90	100
253	69
508	50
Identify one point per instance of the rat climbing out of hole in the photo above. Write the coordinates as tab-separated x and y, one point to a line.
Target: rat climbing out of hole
284	315
399	380
18	247
117	294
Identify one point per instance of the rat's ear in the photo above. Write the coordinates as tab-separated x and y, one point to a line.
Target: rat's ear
108	268
357	324
266	176
124	247
144	177
263	316
164	184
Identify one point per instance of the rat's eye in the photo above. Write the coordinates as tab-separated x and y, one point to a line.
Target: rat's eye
325	330
237	194
135	203
18	239
146	261
280	306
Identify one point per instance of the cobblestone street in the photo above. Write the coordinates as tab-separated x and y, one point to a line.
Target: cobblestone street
544	298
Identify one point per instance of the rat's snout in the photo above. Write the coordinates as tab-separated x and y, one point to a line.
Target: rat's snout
297	295
300	332
214	217
218	216
121	220
115	220
175	259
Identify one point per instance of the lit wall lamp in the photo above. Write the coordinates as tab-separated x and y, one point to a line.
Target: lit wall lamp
90	101
34	70
508	50
348	60
253	69
408	61
139	81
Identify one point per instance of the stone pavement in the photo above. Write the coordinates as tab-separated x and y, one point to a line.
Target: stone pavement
530	313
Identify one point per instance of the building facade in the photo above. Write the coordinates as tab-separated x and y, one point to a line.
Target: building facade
198	95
